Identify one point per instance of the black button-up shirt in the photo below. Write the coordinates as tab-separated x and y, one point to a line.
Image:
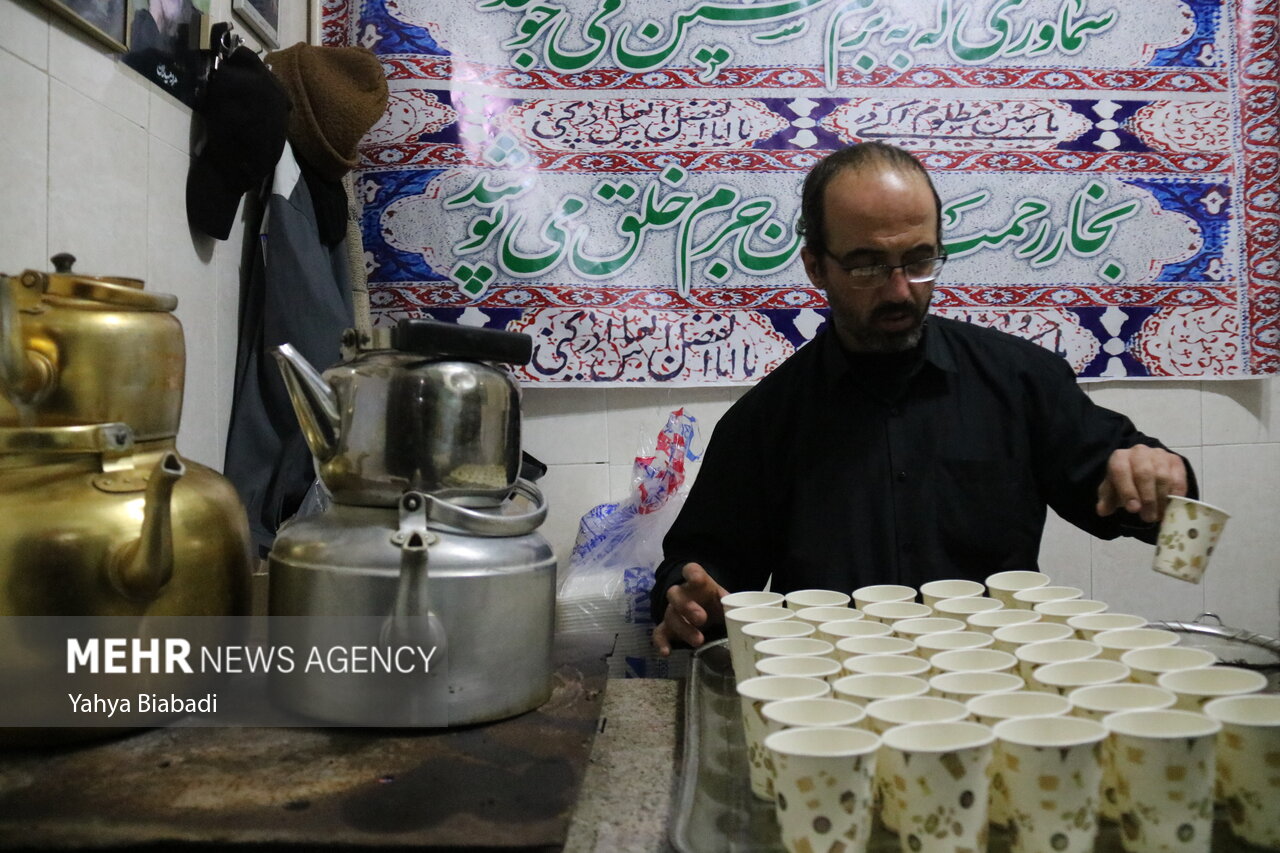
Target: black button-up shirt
840	470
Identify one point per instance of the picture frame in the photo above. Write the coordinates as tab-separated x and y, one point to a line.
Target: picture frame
105	20
262	17
164	43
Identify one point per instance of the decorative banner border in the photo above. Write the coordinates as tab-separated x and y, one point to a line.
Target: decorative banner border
620	180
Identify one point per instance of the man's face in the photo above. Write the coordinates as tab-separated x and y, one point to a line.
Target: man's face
876	215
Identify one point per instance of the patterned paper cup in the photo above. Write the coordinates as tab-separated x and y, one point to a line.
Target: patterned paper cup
884	714
824	787
757	692
963	608
818	615
1116	643
1090	625
809	667
934	591
824	712
1063	609
1003	585
885	665
864	689
1052	769
801	598
1010	637
963	686
1027	599
739	645
886	645
864	595
754	632
889	612
1189	532
1066	676
750	598
973	660
1095	703
834	632
1035	655
1164	762
1195	687
809	647
990	709
993	620
927	645
1249	765
913	628
1147	665
941	793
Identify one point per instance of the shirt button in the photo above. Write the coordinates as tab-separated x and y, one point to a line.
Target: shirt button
902	476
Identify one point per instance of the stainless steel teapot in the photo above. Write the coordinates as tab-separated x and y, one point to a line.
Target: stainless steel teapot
430	414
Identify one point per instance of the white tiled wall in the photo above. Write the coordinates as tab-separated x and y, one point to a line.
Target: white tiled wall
93	161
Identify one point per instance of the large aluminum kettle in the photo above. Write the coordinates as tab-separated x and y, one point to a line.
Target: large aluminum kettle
430	414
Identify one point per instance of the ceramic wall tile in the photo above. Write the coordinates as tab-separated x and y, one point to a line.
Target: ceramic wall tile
1242	411
174	266
635	417
97	185
1242	584
169	120
1169	411
1123	577
565	426
227	265
1065	554
571	490
24	164
24	31
78	61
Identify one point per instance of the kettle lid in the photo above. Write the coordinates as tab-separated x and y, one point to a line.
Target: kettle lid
449	340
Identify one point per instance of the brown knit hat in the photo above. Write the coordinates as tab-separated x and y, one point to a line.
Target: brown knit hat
338	93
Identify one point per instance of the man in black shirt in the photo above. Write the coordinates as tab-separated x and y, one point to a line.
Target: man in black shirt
897	447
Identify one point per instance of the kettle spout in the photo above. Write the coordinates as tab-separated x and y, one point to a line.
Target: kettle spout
141	568
313	400
412	622
26	376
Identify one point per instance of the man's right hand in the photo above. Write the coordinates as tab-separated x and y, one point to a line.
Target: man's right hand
691	606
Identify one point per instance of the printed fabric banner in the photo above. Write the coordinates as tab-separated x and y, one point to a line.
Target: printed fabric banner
620	179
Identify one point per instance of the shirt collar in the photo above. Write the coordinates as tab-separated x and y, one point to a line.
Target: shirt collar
937	349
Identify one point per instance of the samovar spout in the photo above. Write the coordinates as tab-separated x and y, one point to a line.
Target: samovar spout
140	569
26	376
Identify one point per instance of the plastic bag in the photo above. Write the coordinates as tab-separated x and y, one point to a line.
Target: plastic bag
606	586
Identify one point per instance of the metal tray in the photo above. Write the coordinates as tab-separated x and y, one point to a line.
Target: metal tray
714	809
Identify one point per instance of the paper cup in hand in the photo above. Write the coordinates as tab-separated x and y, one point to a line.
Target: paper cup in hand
1188	534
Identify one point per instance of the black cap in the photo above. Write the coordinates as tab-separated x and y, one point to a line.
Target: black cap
246	114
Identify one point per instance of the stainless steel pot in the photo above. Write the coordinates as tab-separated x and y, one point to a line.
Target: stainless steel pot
477	585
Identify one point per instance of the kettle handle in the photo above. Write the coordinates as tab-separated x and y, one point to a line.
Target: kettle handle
444	512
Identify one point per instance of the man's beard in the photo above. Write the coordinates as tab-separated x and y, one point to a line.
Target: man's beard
868	337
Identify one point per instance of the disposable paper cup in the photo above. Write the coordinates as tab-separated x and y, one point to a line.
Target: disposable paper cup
834	632
1066	676
1002	585
1116	643
810	667
992	620
1164	762
941	798
801	598
739	645
885	665
1034	655
1189	532
1147	665
886	645
884	714
809	647
963	608
862	596
1063	609
1195	687
973	660
889	612
750	598
754	632
1090	625
1249	764
990	709
818	615
1096	703
825	712
963	686
864	689
1051	767
824	786
757	692
934	591
927	645
913	628
1010	637
1027	599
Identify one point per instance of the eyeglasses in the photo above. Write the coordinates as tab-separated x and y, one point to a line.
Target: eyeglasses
878	275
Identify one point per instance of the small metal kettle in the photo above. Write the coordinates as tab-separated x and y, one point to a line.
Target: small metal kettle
432	413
